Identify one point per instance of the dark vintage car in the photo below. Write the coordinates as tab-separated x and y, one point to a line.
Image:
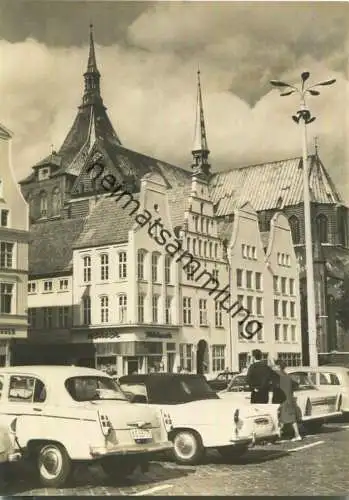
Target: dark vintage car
221	381
198	417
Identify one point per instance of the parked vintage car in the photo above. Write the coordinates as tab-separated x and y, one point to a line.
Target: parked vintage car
329	379
66	414
315	407
199	417
221	381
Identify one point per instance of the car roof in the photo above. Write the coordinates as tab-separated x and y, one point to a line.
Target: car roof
322	368
52	370
143	377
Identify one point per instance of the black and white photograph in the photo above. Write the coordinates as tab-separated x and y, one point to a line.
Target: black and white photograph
174	248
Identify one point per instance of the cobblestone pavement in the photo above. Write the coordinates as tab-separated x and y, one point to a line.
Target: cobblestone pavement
316	466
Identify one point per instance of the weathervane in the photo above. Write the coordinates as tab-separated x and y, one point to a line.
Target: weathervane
303	113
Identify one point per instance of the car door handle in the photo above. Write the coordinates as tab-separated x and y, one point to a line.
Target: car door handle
37	409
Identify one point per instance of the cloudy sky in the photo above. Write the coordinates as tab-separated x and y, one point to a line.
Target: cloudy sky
148	54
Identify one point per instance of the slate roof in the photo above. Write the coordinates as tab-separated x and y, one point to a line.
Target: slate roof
267	185
51	246
108	223
124	163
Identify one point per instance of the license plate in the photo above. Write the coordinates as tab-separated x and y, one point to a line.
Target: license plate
141	434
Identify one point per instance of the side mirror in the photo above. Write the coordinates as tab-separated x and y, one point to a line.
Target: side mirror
139	398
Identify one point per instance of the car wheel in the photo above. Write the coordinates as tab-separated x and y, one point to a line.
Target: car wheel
187	447
115	469
54	465
232	452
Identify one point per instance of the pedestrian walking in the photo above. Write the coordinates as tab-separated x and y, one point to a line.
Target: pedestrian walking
260	378
288	408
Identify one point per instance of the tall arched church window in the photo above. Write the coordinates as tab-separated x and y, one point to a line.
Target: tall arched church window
295	229
322	228
43	204
56	201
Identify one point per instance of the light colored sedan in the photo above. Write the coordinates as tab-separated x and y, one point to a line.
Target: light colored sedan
329	379
315	406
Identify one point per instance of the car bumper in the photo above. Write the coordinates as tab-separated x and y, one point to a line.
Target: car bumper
254	439
324	416
146	449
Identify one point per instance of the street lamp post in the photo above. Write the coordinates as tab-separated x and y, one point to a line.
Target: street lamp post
304	117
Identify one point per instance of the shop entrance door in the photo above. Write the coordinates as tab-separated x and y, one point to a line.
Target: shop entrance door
132	365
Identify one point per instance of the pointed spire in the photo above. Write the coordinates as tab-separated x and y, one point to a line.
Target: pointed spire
200	149
92	75
91	64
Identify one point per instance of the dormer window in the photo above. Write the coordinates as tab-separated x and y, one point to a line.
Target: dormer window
44	173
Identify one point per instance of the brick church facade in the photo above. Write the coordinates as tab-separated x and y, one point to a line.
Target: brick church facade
60	187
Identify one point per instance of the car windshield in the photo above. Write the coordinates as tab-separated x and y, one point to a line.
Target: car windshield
92	388
239	384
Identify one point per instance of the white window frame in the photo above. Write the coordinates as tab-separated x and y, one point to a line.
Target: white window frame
122	256
104	308
203	312
104	266
86	262
187	311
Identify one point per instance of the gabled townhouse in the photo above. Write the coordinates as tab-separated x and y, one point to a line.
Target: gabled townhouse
126	285
14	222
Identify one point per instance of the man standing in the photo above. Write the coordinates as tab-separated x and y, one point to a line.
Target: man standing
260	378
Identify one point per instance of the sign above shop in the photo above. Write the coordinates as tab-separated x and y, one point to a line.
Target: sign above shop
158	335
103	335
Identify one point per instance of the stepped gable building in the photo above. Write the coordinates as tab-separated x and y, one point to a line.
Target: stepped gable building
68	184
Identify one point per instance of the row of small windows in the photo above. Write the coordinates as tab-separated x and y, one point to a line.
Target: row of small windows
280	285
202	248
203	318
285	333
284	259
105	315
251	281
122	267
202	224
287	309
49	285
249	252
155	267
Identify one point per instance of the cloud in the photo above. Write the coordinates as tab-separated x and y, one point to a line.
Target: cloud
149	87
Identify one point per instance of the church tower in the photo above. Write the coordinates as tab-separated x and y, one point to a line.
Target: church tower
49	185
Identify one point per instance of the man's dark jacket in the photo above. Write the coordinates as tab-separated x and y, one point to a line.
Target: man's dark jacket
261	379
